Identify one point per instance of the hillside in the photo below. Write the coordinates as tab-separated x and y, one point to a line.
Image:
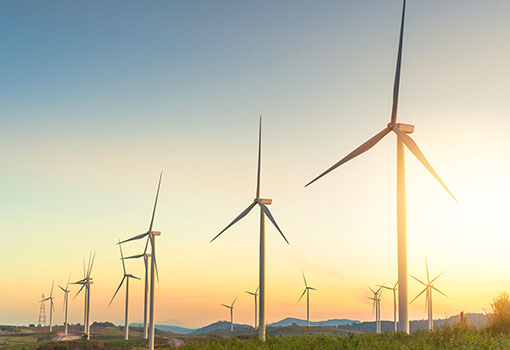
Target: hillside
289	321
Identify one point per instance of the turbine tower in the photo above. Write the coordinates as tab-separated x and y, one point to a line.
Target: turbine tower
126	278
151	236
264	211
394	290
307	291
376	307
231	307
254	294
145	257
52	308
402	131
428	288
66	303
86	282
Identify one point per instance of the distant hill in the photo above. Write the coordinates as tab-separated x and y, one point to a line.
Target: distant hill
475	320
163	327
289	321
220	327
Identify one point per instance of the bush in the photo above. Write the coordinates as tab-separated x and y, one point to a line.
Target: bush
499	318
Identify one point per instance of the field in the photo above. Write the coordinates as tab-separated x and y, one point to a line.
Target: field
290	338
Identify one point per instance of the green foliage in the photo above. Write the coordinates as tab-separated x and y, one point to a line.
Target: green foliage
499	318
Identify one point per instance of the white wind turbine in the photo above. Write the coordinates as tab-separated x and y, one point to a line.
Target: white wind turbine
231	307
401	130
377	308
86	282
307	291
428	288
264	211
66	303
151	236
254	294
126	278
145	257
52	308
394	290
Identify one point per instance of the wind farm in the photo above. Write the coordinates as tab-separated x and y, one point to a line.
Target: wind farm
255	107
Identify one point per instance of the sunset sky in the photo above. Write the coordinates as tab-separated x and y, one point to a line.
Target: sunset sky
98	97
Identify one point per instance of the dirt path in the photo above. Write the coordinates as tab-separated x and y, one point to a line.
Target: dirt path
175	342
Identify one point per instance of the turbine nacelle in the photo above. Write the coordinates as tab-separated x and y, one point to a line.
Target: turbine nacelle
405	128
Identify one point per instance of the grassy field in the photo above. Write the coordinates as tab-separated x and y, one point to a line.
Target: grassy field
293	338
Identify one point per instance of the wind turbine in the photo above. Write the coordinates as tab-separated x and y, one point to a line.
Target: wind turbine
401	130
151	236
264	211
394	289
377	308
66	303
255	294
307	291
231	307
145	257
52	308
86	282
126	278
428	288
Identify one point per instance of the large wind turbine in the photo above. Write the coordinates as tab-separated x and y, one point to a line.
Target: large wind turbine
254	294
401	130
126	278
264	211
428	288
86	282
66	303
52	308
231	307
377	308
307	291
394	290
151	235
145	257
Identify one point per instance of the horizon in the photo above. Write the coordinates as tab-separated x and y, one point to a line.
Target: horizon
98	101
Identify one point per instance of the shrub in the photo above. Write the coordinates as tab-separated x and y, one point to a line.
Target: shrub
499	318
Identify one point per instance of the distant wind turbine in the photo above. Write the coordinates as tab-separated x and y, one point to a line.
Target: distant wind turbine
66	303
126	278
307	291
255	294
401	130
151	236
428	288
264	211
145	257
394	290
231	307
86	282
376	307
52	308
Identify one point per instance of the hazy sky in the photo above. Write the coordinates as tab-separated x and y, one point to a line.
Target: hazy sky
98	97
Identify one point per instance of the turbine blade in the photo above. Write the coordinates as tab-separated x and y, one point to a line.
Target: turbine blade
141	235
79	291
437	290
418	280
358	151
312	288
52	285
68	280
395	286
413	147
234	302
268	214
301	296
373	291
61	288
257	290
228	307
435	278
91	265
155	203
120	285
239	217
134	256
423	291
258	166
304	278
146	245
45	299
122	257
396	86
427	268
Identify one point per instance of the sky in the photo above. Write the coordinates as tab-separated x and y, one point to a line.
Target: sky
98	97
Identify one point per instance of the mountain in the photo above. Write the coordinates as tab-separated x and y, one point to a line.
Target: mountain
166	328
221	326
289	321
